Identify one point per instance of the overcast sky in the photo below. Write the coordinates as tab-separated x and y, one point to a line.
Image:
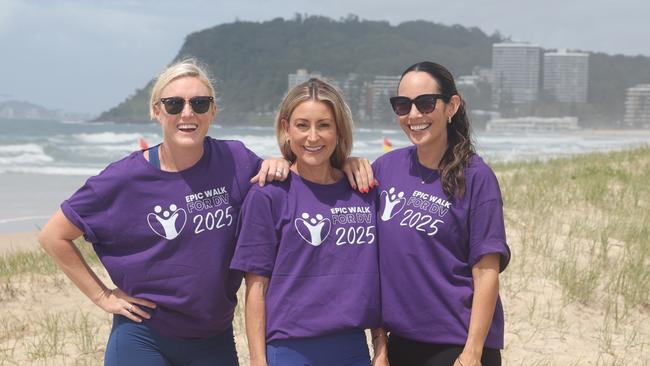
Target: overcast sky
88	55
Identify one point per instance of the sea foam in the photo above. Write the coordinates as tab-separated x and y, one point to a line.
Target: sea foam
107	137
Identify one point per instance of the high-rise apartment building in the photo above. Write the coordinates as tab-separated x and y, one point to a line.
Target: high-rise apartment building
381	89
516	69
637	106
566	76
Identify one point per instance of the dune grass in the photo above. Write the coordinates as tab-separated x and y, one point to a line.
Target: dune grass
577	291
590	217
578	228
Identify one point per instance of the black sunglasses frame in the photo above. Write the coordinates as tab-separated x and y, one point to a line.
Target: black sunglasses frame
175	105
425	103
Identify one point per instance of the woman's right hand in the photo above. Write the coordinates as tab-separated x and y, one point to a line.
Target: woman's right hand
117	301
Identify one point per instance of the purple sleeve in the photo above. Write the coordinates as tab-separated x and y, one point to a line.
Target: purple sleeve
255	161
84	209
487	232
258	238
252	164
247	164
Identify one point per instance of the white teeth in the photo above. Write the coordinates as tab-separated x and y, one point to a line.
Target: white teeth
187	127
419	127
313	149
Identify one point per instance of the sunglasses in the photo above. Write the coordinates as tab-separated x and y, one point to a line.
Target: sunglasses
425	103
175	105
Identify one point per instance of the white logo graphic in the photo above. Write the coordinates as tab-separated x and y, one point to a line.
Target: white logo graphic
393	203
313	228
170	224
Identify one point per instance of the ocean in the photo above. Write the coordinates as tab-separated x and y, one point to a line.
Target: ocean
43	162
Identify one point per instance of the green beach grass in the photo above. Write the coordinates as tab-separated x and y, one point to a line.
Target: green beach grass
577	291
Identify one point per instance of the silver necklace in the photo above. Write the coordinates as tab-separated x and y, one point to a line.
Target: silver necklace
423	179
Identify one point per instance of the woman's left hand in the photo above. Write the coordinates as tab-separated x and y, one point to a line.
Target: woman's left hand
467	359
274	169
359	173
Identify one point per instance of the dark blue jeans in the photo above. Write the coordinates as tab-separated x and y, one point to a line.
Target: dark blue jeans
341	349
133	343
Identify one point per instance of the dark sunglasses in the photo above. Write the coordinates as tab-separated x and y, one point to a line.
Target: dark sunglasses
425	103
175	105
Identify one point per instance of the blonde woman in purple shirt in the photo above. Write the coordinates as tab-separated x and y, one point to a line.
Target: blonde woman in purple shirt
442	238
308	245
162	221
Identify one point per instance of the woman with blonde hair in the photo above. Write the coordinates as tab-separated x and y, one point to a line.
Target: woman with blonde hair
162	221
308	245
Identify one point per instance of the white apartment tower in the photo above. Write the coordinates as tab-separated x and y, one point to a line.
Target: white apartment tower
637	106
381	89
566	76
516	68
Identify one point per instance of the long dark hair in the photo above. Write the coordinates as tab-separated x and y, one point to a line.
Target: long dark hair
459	140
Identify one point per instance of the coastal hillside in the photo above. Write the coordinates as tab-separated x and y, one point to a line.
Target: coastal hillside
250	62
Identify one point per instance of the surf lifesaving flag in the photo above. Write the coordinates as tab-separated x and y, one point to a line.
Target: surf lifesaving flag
143	144
387	145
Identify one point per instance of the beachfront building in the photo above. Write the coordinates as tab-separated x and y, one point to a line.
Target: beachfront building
637	106
516	72
353	89
379	91
566	76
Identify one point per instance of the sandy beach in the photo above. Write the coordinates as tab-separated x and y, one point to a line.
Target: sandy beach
576	291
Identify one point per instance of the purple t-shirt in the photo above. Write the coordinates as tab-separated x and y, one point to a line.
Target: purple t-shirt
428	245
169	236
318	245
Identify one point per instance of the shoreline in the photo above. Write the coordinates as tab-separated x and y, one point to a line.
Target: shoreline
29	199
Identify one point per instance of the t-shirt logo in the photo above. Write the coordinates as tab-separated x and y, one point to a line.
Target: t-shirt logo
168	223
313	230
393	203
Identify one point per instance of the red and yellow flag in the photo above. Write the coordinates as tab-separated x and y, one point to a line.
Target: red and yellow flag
143	144
387	145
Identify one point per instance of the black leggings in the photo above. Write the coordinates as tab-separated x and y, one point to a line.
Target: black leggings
406	352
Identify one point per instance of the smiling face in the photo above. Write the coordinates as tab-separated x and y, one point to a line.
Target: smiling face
424	130
312	134
186	129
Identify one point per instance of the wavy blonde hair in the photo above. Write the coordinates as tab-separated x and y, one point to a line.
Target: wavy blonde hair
320	91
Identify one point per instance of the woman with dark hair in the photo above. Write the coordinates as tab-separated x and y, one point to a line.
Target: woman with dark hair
441	232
